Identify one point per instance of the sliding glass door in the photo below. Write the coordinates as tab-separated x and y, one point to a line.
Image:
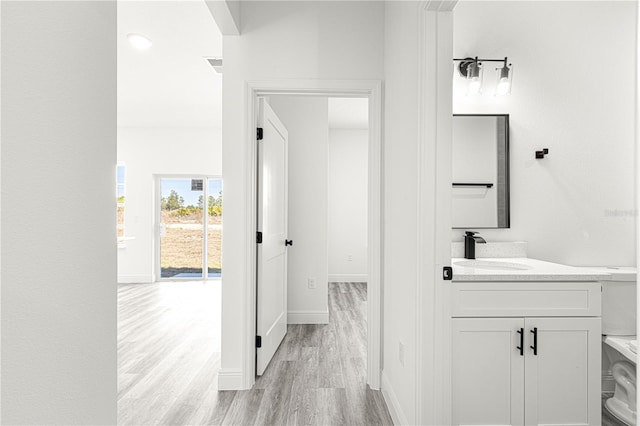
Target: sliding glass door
214	228
189	237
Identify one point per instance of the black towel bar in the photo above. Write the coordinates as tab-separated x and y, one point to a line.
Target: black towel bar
488	185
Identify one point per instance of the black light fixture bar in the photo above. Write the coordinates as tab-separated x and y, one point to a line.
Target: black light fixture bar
471	69
464	64
480	60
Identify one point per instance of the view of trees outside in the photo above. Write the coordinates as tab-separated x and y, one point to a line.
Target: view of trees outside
174	204
120	194
182	213
120	219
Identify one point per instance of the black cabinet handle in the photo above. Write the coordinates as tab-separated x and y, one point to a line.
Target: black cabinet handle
288	242
521	347
535	340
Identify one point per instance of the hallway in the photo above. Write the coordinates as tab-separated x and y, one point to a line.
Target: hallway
317	377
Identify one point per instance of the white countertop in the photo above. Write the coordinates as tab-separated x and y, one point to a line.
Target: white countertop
523	269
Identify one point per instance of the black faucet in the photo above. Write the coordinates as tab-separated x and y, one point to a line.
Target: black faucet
470	240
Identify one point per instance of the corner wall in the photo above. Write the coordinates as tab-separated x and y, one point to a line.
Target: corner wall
574	70
58	270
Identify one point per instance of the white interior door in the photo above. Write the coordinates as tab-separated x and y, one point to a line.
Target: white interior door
272	224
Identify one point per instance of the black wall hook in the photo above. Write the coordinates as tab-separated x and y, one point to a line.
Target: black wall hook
541	154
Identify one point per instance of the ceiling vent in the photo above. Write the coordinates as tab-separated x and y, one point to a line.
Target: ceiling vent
216	64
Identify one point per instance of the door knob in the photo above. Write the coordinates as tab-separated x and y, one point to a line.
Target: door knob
288	242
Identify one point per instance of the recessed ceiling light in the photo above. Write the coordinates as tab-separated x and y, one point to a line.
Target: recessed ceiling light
139	41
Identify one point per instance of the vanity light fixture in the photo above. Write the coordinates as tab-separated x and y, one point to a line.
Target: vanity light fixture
474	77
505	74
471	70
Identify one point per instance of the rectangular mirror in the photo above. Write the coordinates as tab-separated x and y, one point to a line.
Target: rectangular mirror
480	171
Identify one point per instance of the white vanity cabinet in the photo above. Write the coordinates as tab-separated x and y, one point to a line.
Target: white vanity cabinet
497	376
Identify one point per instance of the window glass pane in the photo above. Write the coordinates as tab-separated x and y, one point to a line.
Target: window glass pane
120	174
120	226
120	193
182	237
214	223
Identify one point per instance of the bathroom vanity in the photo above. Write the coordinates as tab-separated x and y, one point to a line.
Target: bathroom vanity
526	343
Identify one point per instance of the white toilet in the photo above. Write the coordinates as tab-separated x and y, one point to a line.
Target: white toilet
620	341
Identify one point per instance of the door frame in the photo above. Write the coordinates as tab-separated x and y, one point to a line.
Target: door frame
433	322
157	239
371	89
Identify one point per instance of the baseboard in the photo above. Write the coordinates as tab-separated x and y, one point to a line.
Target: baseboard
135	279
393	404
308	317
230	379
348	278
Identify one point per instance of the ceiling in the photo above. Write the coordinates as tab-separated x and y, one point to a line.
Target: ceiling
348	113
170	84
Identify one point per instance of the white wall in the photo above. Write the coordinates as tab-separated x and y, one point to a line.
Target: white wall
0	215
157	150
401	156
58	230
347	204
306	120
637	141
331	41
574	70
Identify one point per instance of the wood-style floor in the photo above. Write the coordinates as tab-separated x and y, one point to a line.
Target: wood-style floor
168	352
169	357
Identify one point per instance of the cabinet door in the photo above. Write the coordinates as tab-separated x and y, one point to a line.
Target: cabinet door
562	381
487	371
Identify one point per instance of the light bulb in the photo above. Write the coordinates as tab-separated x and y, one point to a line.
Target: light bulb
139	41
474	85
505	74
503	86
474	77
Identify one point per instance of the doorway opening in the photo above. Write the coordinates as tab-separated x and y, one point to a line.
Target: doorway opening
189	240
370	92
312	319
